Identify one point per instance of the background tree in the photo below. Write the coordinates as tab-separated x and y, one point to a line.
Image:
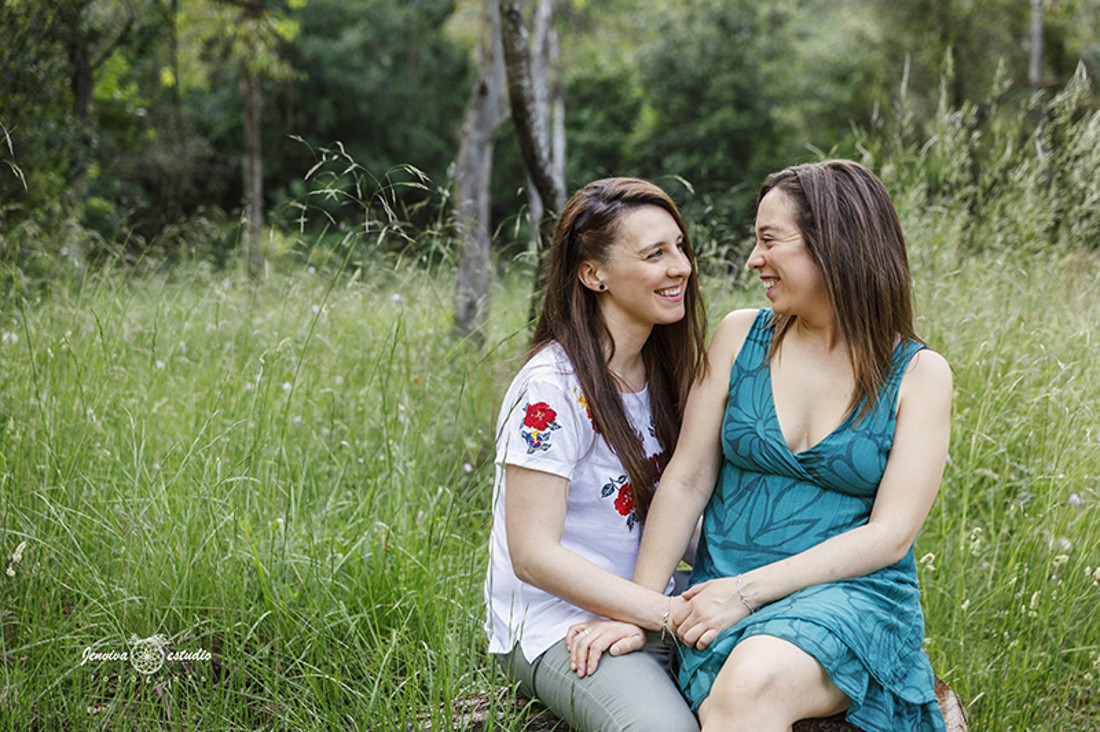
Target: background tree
473	178
534	146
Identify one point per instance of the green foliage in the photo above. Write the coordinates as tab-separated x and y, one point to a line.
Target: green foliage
382	78
35	105
718	93
1017	180
710	100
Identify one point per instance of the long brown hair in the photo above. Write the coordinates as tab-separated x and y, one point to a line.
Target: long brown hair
673	354
852	230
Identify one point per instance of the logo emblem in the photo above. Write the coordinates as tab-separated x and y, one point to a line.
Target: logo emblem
147	654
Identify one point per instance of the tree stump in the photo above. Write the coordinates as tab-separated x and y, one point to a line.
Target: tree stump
954	716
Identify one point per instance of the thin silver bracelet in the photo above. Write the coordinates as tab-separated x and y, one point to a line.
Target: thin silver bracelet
741	594
664	620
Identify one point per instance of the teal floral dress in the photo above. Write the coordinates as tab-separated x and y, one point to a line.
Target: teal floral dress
770	503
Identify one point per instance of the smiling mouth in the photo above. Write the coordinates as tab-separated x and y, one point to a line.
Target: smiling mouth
769	283
670	291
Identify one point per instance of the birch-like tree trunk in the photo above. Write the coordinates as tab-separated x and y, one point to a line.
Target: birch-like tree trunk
1035	64
251	117
549	114
532	143
473	175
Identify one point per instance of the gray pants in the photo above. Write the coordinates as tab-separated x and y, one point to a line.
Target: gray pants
630	693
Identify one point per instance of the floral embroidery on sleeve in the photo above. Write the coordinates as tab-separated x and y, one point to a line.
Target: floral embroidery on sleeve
538	423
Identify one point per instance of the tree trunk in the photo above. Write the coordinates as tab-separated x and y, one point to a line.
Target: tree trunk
1035	65
533	145
473	175
549	111
82	81
251	112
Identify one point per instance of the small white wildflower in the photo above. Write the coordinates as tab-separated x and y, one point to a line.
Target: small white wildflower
311	269
296	421
927	561
965	605
248	386
338	379
227	283
396	299
1096	576
9	337
64	251
467	467
316	309
976	540
401	413
17	555
286	386
10	571
159	364
1060	560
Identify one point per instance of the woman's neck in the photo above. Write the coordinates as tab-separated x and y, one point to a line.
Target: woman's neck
821	331
626	364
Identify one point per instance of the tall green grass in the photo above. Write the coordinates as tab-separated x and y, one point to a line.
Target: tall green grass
290	475
294	476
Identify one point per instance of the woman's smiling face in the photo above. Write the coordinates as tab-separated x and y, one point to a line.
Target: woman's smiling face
791	277
646	271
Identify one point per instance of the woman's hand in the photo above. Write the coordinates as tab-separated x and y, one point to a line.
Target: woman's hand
711	607
587	642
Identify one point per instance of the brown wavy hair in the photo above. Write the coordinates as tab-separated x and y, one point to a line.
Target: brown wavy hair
674	354
851	228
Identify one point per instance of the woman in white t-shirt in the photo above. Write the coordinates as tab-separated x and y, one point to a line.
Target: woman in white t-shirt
583	434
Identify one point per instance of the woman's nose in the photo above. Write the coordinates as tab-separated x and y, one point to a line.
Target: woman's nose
681	265
756	258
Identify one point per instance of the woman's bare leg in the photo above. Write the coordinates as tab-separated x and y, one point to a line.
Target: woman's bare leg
769	684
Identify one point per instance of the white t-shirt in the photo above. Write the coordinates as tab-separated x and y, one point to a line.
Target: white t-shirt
544	425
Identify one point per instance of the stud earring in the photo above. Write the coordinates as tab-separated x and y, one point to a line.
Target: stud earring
602	287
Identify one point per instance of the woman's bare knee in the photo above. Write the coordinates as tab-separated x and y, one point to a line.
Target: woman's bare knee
768	684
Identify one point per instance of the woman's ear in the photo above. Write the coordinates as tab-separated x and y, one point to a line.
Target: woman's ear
589	275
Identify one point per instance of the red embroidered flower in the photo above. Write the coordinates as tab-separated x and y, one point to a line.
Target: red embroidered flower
658	462
624	503
539	416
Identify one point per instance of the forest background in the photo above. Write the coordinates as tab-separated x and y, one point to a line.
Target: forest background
265	453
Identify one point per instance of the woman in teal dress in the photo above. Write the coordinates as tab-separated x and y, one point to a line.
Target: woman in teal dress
816	443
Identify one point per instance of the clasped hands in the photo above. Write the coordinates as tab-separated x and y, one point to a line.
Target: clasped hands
696	617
